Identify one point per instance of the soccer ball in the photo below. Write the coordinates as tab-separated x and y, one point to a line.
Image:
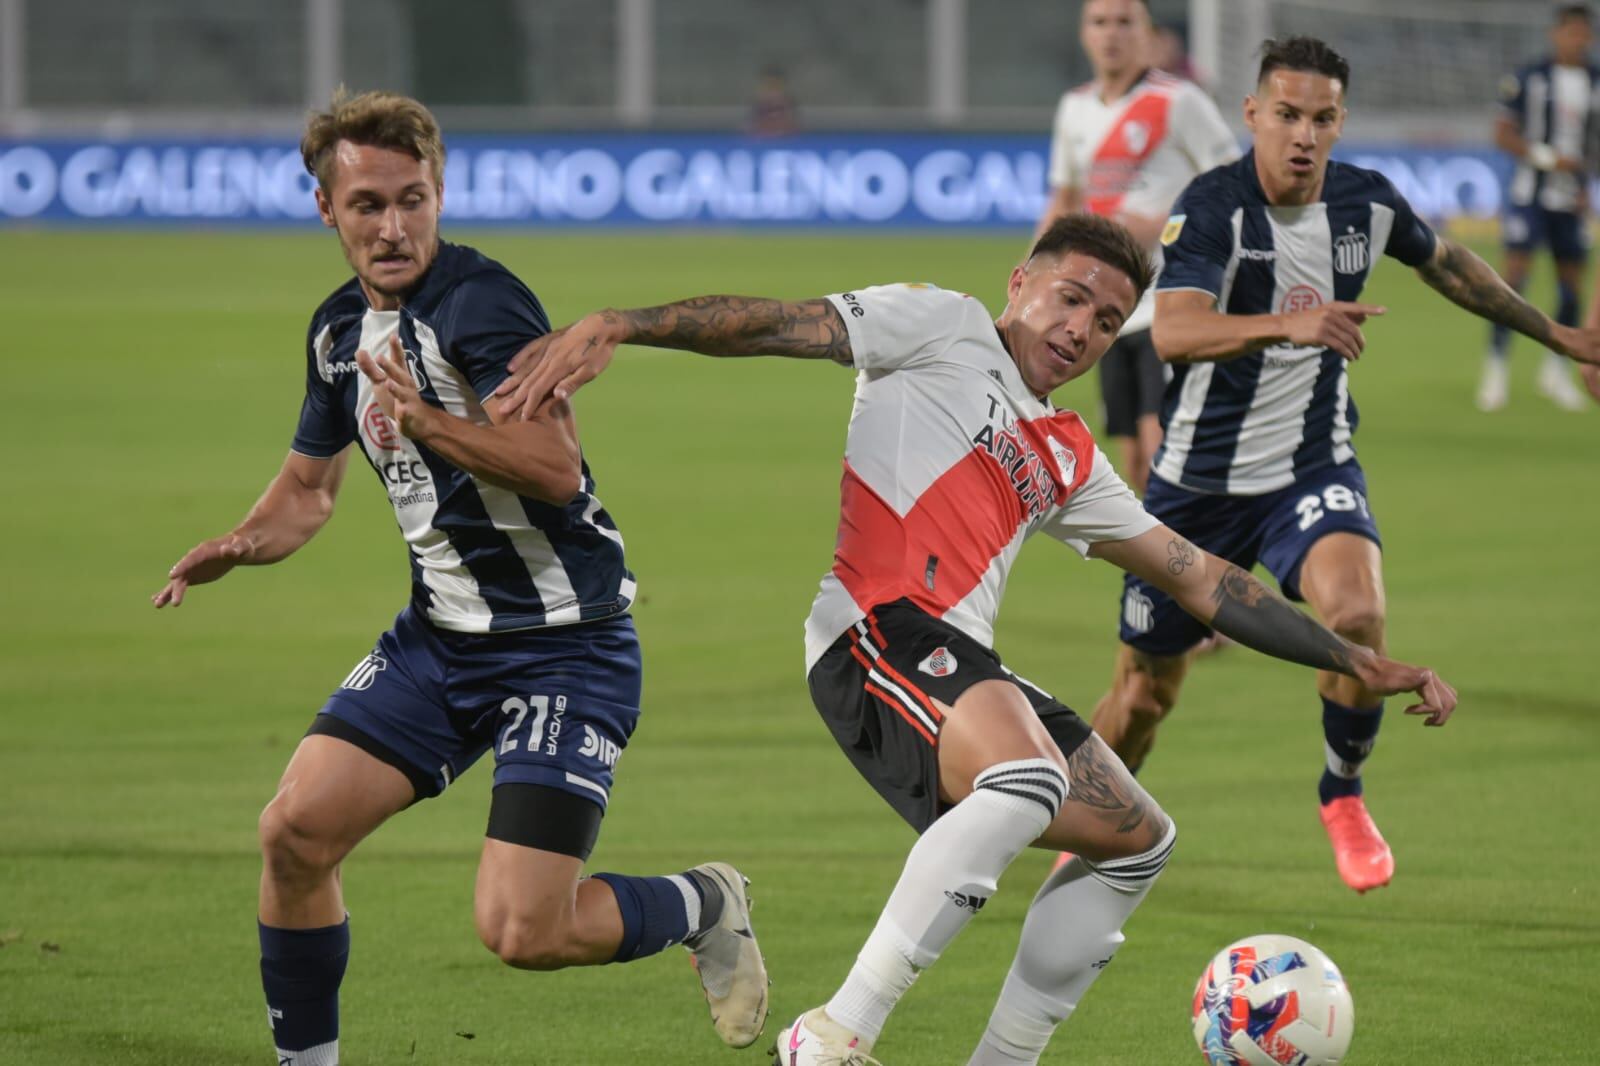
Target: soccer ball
1272	1001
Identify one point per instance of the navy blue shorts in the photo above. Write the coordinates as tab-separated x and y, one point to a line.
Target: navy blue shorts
1529	227
1276	530
556	705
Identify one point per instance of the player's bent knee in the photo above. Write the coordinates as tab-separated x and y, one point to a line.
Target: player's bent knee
1136	872
1360	623
1147	698
290	847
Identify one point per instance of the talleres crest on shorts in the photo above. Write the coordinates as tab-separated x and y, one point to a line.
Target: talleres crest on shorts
941	663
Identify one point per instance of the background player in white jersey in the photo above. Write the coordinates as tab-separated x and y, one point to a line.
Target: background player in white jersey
954	457
517	635
1548	124
1256	306
1124	146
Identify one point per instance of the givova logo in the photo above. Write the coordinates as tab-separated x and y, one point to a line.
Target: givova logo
365	673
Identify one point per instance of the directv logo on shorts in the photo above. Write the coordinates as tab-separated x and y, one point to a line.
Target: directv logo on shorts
365	673
940	664
1138	613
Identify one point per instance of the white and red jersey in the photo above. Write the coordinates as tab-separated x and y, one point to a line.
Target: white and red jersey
1137	152
950	464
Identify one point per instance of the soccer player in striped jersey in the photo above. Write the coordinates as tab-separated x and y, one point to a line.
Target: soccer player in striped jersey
1548	123
954	457
1257	309
1124	146
517	636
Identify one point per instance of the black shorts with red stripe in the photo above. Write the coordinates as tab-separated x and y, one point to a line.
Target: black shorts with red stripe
879	688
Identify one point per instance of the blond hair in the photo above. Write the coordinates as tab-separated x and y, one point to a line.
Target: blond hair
377	119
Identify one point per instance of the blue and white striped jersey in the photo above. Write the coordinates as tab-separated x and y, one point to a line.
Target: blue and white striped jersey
1558	106
1255	424
483	559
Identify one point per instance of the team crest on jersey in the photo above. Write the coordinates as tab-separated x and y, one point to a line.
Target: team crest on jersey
1065	460
365	673
1173	227
1350	253
939	664
1136	135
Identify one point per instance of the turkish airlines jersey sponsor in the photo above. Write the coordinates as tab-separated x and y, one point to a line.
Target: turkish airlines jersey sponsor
950	464
1137	152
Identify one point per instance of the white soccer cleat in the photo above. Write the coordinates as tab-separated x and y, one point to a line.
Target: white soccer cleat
817	1040
1494	388
729	962
1555	384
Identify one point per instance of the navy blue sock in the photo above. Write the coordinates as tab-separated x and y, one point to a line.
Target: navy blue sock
1349	733
300	971
658	912
1566	305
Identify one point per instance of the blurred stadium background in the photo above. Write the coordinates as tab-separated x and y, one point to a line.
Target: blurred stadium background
158	261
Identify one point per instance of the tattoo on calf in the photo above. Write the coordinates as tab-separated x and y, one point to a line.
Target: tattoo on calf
1098	781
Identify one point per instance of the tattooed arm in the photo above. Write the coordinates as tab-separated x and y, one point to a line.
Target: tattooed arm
1469	282
563	362
1237	605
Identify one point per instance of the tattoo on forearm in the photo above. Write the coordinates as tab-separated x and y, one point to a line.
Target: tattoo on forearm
741	325
1248	612
1471	283
1180	556
1096	781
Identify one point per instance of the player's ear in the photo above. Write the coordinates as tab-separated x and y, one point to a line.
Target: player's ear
1250	106
325	208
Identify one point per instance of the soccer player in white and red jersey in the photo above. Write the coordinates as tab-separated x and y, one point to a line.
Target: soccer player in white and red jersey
1124	146
955	456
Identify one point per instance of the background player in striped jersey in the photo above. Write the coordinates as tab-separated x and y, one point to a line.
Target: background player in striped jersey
517	634
1124	146
1548	125
1256	307
954	457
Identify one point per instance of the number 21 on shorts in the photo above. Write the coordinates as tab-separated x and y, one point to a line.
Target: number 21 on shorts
517	708
1333	498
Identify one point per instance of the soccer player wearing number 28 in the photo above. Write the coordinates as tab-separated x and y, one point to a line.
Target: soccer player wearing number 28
954	457
1257	310
517	637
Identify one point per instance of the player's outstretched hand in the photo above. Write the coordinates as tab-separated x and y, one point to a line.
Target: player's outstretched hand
205	562
558	364
395	389
1391	678
1582	345
1335	325
1590	372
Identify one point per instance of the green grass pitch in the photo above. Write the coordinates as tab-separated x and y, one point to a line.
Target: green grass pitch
154	382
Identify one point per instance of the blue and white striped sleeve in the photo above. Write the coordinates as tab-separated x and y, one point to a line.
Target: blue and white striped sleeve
490	317
1196	244
325	428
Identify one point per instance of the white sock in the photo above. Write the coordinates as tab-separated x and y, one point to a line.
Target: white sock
1073	928
321	1055
950	874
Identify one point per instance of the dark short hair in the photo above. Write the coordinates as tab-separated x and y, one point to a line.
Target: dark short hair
1098	238
1573	11
1305	54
